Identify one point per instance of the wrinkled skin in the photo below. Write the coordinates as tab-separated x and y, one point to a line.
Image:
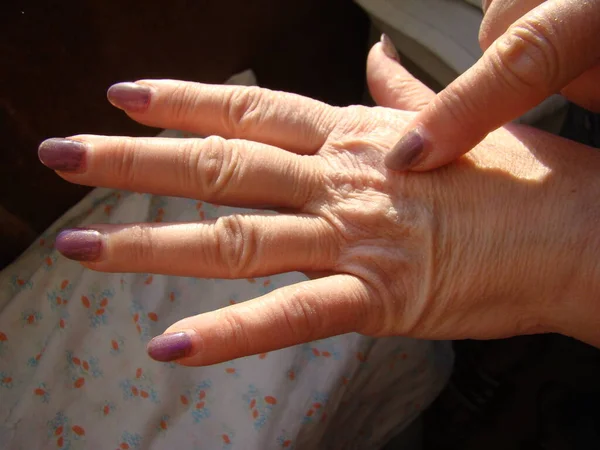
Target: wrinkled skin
461	252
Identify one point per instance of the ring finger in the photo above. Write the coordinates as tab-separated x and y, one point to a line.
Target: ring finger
236	246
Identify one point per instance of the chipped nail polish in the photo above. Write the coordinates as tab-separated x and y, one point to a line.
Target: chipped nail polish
131	97
170	347
407	153
79	244
64	155
389	48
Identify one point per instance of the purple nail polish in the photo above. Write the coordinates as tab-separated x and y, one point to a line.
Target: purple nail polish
389	48
131	97
64	155
407	153
79	244
170	347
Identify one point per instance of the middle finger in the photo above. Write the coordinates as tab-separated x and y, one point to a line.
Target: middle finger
216	170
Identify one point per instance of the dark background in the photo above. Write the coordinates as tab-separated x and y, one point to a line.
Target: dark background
57	58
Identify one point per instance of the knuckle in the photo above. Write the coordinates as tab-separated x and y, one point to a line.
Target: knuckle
233	326
182	101
237	244
300	311
461	107
527	56
214	166
243	109
123	165
141	249
188	165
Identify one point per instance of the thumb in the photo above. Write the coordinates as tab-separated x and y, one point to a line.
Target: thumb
534	58
390	84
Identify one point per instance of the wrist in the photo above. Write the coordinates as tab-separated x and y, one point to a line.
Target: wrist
563	280
576	312
529	207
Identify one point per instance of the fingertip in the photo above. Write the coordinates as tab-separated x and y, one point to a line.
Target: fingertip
171	346
407	153
80	244
130	97
388	48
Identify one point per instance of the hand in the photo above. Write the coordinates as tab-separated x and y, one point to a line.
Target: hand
441	255
533	49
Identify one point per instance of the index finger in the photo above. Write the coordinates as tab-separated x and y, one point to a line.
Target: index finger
533	59
293	122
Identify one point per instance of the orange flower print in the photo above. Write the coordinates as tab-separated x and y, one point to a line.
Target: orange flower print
157	208
163	424
79	431
107	408
65	434
130	441
259	405
142	319
18	283
6	381
140	386
197	400
3	342
31	317
58	298
227	438
97	303
35	360
116	345
82	369
316	410
42	393
232	370
284	441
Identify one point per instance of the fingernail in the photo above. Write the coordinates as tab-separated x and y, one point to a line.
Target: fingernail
389	48
130	97
170	347
79	244
407	153
65	155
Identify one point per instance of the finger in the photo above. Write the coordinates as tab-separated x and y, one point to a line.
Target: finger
535	58
236	246
585	89
290	121
390	84
227	172
291	315
500	15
